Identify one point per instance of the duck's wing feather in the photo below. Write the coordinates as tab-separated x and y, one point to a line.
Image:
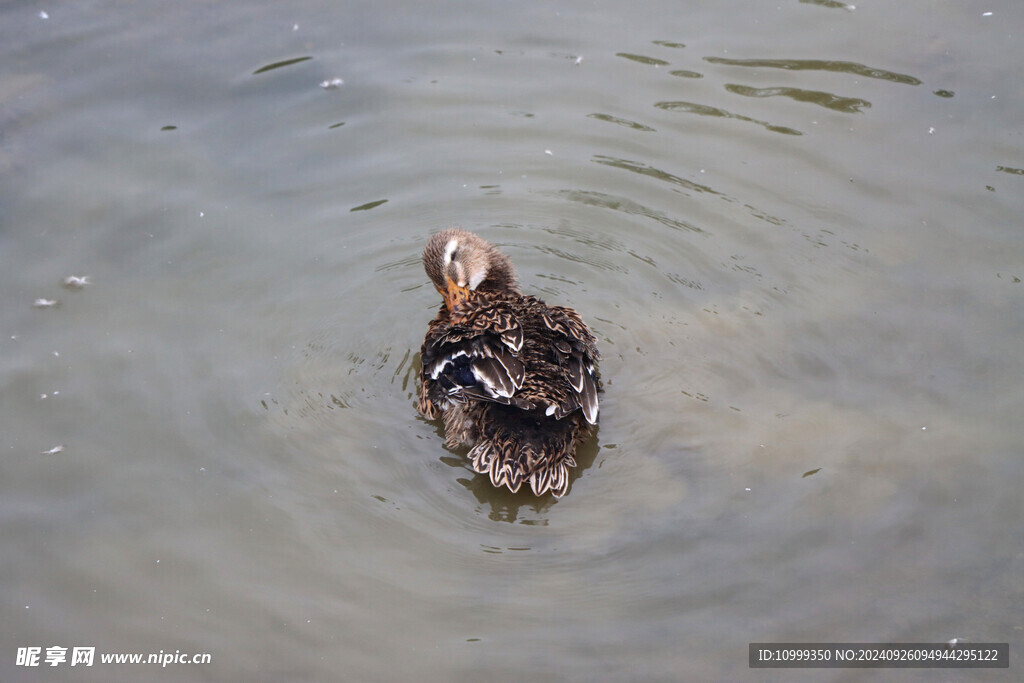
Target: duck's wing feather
584	385
576	350
477	358
524	354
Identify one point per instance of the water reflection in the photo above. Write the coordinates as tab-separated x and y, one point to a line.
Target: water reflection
649	171
705	110
818	65
628	206
653	61
369	205
281	64
831	4
668	43
646	170
622	122
847	105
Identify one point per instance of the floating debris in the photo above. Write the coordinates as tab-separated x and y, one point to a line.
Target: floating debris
53	451
45	303
579	60
332	84
44	15
77	281
810	472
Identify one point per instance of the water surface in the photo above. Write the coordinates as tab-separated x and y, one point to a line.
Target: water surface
794	228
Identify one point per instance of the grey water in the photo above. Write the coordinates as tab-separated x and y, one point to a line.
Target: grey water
795	228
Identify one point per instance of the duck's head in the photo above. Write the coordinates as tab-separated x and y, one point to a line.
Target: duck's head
459	262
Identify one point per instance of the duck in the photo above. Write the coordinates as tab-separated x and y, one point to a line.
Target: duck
513	379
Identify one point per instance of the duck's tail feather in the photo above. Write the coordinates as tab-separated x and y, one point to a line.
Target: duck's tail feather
509	463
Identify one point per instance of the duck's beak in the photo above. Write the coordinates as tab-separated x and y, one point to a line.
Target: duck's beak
454	295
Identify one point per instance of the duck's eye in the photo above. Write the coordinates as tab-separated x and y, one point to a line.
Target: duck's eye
454	254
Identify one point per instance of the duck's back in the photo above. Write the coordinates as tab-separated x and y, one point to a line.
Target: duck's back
516	379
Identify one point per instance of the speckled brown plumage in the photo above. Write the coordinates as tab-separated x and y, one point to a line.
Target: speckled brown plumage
513	378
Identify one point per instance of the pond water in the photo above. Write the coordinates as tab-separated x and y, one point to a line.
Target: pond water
794	227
